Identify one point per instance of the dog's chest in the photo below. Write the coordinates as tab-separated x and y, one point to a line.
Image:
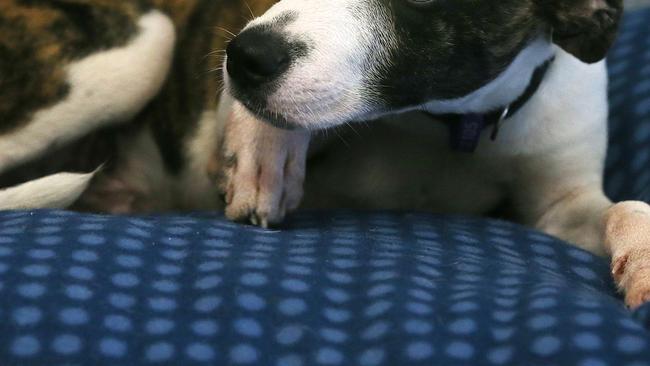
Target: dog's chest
405	162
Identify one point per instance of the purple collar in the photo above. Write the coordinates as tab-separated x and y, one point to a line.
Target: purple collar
466	129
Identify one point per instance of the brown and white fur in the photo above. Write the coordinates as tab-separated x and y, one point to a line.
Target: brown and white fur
125	93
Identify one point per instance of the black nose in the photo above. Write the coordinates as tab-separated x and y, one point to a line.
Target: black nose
257	56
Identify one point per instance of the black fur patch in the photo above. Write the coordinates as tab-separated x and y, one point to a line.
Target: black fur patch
584	28
449	48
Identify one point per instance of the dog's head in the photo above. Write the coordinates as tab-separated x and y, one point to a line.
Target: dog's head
316	63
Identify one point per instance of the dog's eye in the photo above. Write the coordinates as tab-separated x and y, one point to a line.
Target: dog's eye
420	2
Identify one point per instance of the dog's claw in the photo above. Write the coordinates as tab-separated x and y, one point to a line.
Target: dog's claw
631	272
254	220
638	294
618	267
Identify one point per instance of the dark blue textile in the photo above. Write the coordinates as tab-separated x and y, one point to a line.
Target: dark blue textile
628	172
330	288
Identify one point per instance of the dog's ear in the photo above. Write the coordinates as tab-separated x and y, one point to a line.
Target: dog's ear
584	28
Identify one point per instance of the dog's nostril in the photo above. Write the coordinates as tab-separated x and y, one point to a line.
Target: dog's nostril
257	56
264	62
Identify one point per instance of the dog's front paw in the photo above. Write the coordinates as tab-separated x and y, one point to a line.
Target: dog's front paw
628	238
263	169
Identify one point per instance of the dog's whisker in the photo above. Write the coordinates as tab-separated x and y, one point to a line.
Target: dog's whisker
351	126
250	10
219	91
345	142
226	37
219	68
216	53
226	31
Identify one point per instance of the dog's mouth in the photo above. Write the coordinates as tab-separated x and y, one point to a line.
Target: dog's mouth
271	117
258	106
295	109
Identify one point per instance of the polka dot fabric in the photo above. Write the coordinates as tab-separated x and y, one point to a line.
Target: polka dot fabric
628	172
329	289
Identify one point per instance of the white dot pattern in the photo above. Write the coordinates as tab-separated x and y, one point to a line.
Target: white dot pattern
336	289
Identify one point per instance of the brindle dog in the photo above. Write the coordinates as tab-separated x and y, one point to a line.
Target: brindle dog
124	83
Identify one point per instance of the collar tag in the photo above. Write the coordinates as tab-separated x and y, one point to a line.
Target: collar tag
497	126
466	134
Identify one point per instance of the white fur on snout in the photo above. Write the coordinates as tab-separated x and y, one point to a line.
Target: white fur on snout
348	41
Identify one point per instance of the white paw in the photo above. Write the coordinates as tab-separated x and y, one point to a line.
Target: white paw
263	169
628	238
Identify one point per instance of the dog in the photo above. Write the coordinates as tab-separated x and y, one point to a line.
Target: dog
475	107
121	92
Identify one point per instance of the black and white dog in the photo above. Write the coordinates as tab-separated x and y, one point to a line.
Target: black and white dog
520	83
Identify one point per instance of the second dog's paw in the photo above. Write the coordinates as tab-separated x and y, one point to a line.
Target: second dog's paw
112	195
631	271
263	169
627	236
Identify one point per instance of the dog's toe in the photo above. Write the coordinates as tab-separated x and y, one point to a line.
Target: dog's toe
259	194
638	292
241	203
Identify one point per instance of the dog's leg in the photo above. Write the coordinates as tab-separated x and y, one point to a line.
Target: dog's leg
557	149
263	168
583	215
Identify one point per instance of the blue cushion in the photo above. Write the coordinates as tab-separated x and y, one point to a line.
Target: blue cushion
628	165
328	289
